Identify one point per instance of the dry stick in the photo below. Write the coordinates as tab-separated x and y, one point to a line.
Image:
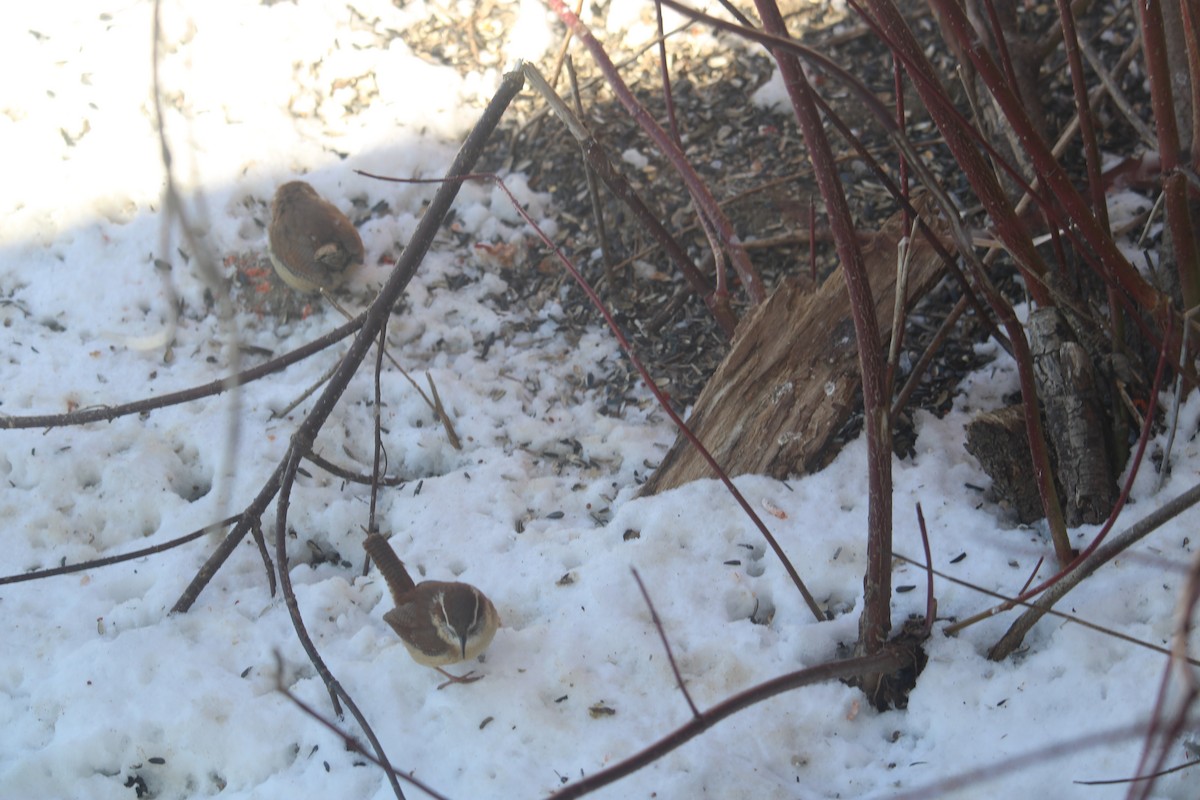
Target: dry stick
352	477
1001	42
1087	127
109	413
1016	601
1033	574
259	539
665	404
1186	252
440	410
812	240
1110	550
699	191
901	116
377	467
882	662
336	692
735	13
973	779
665	74
1165	470
589	174
899	310
930	600
1114	91
104	562
720	268
918	372
662	637
1173	729
1153	777
284	412
436	407
371	321
352	744
616	183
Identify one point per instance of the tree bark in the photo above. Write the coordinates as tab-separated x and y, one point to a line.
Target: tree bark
1075	419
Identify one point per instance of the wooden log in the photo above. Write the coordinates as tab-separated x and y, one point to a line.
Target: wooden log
1075	419
998	440
789	381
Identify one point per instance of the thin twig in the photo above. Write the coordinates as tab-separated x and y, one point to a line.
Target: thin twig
935	345
662	635
697	188
286	411
377	465
109	413
1164	471
353	477
1114	547
67	569
598	161
930	600
973	779
352	744
438	411
882	662
1010	602
589	174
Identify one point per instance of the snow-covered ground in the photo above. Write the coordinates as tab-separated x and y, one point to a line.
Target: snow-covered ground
103	694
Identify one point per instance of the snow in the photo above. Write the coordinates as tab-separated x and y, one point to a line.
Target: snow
103	692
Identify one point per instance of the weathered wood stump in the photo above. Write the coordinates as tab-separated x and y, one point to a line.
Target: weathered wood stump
1076	424
1076	429
998	440
789	381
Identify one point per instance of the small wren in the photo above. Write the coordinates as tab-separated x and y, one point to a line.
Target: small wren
440	622
312	244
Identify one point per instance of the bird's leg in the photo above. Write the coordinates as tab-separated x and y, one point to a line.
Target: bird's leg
470	677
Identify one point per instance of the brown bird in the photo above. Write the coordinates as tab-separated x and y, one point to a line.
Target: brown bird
312	245
440	622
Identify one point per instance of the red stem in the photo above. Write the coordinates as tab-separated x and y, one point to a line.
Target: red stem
706	204
1175	192
877	583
